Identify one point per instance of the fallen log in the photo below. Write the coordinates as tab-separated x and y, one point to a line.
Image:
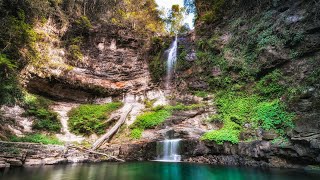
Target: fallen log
113	130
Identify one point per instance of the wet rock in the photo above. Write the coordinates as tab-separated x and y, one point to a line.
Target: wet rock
52	161
14	162
33	162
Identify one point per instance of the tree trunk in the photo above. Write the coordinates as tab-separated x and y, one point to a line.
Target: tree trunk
112	131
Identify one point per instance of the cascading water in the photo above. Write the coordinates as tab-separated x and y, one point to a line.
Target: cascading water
171	61
168	150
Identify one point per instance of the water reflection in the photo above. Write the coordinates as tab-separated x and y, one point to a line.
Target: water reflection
152	171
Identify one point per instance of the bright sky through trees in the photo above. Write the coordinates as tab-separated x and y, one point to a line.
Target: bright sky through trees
167	4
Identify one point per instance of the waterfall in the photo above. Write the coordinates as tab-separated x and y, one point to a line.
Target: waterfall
168	150
171	61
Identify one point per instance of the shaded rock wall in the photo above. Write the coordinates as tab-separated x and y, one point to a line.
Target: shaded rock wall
256	153
113	63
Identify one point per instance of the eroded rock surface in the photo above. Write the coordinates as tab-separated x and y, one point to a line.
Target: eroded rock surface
113	63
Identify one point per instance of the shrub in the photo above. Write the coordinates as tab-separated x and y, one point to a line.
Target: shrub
88	119
38	107
82	26
75	52
36	138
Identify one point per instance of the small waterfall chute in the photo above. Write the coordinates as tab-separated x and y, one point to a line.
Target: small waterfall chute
169	150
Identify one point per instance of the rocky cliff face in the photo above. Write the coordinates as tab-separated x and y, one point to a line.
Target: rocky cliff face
239	40
113	63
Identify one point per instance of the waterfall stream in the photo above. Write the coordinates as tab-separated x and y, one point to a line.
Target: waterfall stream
171	61
168	150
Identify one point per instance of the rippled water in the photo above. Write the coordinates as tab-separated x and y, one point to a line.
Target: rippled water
152	171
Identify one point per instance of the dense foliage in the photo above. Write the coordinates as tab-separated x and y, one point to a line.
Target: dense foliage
46	119
90	119
273	115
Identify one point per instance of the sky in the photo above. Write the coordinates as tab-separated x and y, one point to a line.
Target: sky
167	4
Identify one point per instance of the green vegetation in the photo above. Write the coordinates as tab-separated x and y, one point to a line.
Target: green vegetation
151	119
211	10
156	116
15	33
235	109
46	119
230	133
270	85
148	120
251	89
141	16
76	36
37	138
179	107
182	63
136	133
273	115
202	94
175	19
239	108
6	63
9	86
157	65
82	26
149	103
90	118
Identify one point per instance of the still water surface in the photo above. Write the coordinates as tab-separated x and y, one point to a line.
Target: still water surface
152	171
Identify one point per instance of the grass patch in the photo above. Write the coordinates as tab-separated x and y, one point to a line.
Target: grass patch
89	118
46	119
156	116
37	138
